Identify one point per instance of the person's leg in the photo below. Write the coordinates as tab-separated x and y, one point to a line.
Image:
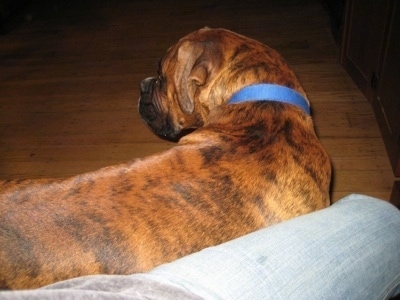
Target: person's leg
348	251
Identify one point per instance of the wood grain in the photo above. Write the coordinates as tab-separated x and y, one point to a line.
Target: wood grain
69	84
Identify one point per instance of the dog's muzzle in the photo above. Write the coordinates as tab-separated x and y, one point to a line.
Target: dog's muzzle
152	112
148	108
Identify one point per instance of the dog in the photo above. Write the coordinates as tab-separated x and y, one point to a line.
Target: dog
244	166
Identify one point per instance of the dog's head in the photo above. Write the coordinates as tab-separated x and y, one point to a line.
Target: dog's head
201	72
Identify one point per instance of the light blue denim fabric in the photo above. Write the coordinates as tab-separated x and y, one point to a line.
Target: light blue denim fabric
348	251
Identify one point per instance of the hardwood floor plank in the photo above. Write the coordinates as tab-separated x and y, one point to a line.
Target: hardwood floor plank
119	152
69	84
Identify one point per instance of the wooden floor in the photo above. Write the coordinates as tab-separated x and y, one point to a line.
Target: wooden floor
69	82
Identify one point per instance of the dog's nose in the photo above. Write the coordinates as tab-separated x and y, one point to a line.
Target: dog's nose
145	84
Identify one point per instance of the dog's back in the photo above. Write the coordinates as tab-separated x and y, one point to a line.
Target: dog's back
254	165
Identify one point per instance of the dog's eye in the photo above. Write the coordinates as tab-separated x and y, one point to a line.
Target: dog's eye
160	81
159	70
160	75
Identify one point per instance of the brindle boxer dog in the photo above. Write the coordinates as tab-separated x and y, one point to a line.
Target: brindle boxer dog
249	165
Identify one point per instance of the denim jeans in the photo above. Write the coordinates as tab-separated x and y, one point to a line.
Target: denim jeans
350	250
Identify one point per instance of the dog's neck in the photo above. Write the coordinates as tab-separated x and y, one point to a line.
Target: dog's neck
270	92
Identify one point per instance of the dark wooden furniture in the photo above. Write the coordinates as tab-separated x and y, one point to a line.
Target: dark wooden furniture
335	9
371	55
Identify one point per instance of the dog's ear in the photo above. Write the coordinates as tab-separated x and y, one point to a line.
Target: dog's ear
192	72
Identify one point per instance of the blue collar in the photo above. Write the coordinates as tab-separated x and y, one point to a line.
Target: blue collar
270	92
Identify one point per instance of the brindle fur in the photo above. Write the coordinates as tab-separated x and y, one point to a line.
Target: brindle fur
249	166
208	66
